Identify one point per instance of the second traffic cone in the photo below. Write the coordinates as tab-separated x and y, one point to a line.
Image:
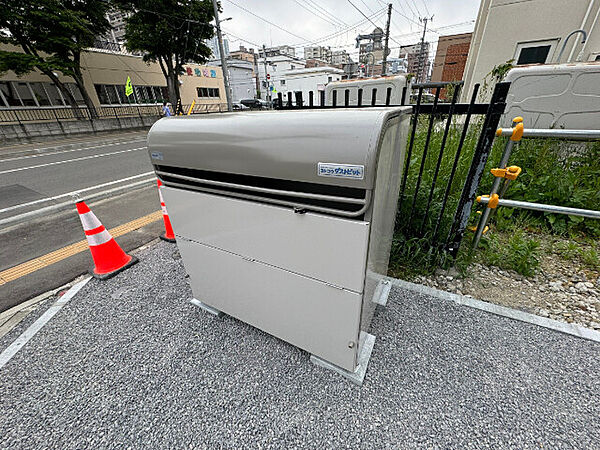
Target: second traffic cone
169	236
109	258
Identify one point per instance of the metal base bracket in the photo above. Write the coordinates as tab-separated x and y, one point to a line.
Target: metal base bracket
358	376
382	292
205	307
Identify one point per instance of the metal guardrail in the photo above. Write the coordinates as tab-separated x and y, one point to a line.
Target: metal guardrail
22	115
557	133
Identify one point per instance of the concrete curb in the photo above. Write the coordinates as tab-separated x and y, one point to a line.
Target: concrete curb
515	314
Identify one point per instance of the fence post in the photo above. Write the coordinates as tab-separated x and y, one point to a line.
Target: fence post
58	121
482	151
299	102
116	116
311	101
280	100
289	99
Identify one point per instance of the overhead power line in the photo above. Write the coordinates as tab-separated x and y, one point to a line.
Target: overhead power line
265	20
313	11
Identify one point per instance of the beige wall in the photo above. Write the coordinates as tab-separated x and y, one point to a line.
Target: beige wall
103	67
502	25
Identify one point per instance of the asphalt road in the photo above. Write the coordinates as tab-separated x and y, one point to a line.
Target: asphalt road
32	182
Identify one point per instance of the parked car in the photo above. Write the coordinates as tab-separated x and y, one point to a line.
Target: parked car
252	103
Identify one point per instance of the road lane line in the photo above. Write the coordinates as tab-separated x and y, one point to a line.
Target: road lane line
30	332
71	160
68	204
71	150
8	275
68	194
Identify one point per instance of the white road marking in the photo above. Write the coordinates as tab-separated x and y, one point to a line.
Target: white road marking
30	332
71	150
71	160
53	208
69	194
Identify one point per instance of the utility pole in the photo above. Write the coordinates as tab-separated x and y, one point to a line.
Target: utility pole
387	40
422	52
223	57
267	91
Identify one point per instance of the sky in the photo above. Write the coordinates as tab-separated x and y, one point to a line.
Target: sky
336	23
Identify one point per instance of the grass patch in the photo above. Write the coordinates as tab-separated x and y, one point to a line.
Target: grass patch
520	253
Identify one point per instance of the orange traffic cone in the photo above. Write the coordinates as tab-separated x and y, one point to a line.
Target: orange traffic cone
109	258
169	236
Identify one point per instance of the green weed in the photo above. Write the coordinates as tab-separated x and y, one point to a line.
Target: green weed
568	250
519	253
590	258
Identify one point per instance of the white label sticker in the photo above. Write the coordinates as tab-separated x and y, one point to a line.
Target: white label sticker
341	170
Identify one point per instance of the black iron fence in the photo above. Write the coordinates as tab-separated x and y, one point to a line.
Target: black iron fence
448	146
22	115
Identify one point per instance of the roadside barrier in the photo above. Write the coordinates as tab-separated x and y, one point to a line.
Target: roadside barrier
169	235
109	258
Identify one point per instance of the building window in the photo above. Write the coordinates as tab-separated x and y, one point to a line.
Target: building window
539	52
9	93
292	67
25	94
282	82
114	94
329	79
207	92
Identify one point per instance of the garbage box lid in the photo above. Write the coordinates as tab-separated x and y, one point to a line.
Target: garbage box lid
330	146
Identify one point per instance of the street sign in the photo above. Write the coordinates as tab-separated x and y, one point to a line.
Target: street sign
268	76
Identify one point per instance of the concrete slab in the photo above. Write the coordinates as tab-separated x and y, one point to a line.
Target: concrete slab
132	363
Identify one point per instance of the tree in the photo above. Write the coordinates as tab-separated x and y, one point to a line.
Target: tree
169	32
51	35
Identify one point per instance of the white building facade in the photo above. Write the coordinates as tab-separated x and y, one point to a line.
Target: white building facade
277	68
241	78
313	79
530	32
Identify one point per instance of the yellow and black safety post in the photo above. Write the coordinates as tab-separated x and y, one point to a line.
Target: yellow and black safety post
191	107
503	173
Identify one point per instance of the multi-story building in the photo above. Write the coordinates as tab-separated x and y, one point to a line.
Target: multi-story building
340	57
316	63
213	44
530	32
242	83
318	52
417	57
451	57
105	75
244	54
116	34
371	52
282	50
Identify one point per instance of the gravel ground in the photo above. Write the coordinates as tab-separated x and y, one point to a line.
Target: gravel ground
131	363
562	289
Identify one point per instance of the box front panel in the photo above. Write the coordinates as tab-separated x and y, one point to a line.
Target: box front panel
323	247
319	318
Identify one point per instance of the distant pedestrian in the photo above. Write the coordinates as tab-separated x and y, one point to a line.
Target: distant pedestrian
166	110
